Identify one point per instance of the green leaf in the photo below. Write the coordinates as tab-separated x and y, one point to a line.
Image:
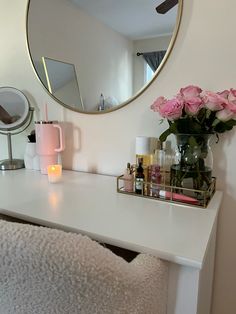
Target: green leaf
222	127
173	127
188	125
215	122
231	123
192	141
201	114
208	113
164	135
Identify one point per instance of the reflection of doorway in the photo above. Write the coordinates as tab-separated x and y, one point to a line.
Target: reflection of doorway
62	82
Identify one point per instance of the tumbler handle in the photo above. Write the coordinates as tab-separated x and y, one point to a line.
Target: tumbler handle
61	138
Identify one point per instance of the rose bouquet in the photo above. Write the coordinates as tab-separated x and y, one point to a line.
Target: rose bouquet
197	112
193	116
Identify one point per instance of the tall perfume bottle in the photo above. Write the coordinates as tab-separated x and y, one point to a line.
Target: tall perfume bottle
154	174
139	177
165	157
154	180
128	179
142	149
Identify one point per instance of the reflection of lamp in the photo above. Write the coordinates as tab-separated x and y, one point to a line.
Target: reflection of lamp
15	112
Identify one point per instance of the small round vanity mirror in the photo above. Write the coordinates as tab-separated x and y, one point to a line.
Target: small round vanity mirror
15	111
95	56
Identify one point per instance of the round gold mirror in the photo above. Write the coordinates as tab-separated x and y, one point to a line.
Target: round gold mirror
95	56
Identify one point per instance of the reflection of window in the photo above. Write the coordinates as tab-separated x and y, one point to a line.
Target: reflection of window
148	73
153	60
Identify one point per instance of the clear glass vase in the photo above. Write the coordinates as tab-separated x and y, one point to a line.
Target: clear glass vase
193	162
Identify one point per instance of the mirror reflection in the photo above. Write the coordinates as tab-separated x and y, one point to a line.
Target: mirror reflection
96	55
14	108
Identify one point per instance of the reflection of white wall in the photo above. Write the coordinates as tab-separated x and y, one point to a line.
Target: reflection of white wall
103	58
67	95
146	45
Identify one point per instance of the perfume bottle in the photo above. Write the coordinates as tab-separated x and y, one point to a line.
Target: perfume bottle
160	155
128	179
142	149
139	177
154	173
154	179
165	157
101	106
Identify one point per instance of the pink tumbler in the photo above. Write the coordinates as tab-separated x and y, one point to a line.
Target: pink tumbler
49	142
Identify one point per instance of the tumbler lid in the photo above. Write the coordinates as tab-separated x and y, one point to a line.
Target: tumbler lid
45	122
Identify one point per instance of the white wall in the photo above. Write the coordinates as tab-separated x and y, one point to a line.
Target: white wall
69	94
96	50
204	54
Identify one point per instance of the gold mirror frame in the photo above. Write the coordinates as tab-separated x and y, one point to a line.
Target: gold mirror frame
140	92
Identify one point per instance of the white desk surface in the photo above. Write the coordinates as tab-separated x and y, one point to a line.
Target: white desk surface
89	204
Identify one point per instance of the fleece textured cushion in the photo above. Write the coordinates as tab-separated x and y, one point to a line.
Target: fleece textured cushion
48	271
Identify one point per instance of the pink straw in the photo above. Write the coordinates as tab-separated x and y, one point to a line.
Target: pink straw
46	112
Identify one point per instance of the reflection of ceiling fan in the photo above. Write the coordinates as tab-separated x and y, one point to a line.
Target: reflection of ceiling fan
166	6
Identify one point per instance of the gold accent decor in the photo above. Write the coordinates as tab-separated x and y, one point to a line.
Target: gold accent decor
140	92
203	197
47	76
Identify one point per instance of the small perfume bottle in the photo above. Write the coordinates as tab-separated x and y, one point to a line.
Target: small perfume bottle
128	179
101	106
139	177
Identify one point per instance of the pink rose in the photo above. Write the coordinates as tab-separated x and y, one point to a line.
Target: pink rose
213	101
190	96
232	96
171	109
190	91
193	105
225	115
230	103
231	106
158	103
224	94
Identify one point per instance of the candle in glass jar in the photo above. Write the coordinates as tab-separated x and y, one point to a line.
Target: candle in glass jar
54	173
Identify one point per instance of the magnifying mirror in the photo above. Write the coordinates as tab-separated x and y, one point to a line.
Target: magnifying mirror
15	112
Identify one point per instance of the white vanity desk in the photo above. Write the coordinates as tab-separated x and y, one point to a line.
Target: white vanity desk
89	203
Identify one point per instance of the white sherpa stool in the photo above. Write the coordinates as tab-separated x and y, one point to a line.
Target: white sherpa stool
47	271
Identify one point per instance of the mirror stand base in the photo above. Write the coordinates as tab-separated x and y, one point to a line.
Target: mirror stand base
13	164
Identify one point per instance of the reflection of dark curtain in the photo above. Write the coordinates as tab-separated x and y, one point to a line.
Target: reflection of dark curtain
154	58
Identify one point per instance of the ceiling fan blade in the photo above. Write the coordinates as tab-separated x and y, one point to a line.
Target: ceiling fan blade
166	6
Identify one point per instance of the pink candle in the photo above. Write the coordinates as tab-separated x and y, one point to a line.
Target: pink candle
178	197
